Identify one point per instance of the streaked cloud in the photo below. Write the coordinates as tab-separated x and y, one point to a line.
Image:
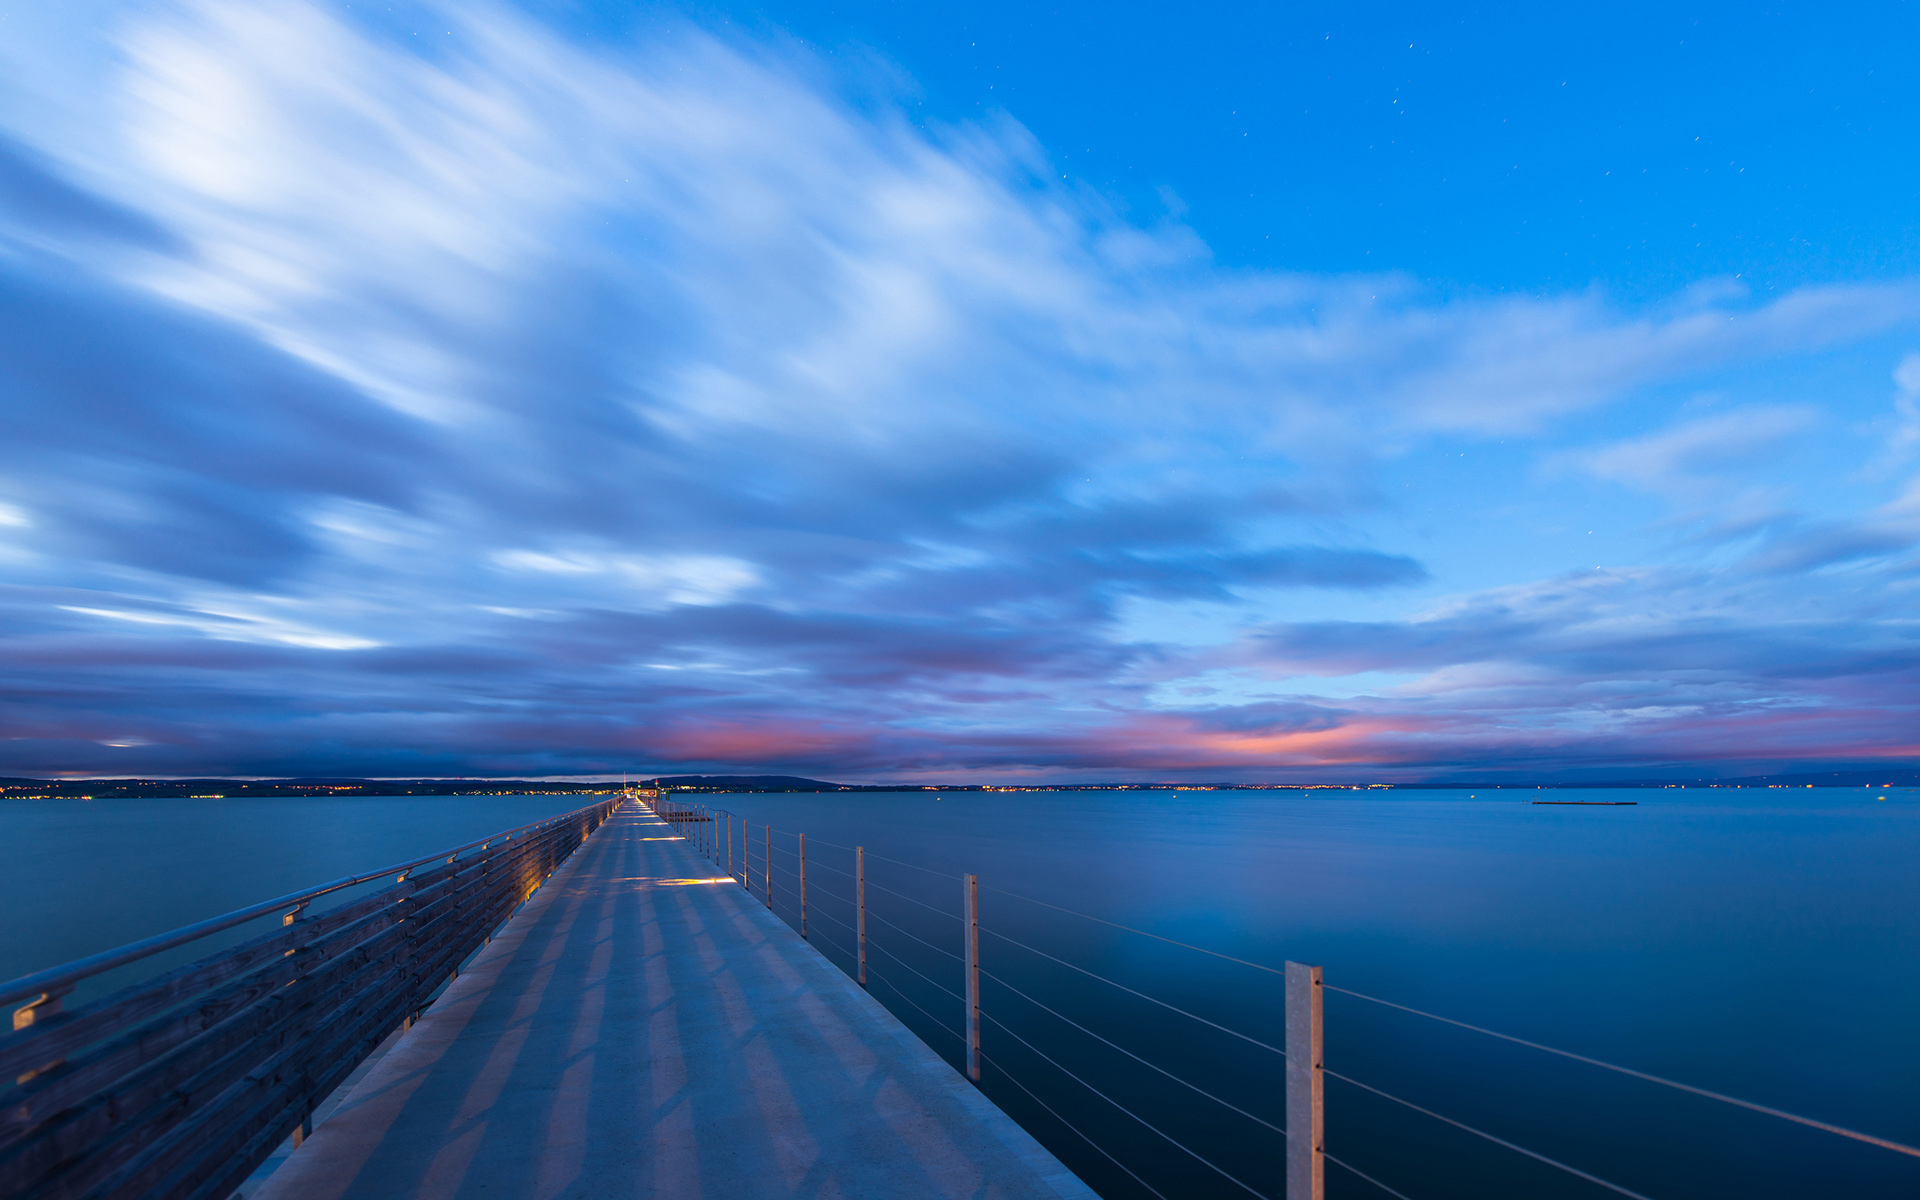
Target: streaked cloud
509	403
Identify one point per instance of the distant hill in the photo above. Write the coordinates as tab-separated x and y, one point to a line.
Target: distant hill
747	783
28	788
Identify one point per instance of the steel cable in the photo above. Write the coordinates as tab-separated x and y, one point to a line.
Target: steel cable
1498	1141
899	863
1123	987
1362	1174
813	886
822	940
1143	933
909	966
819	841
1009	1077
1868	1138
1130	1054
945	1028
910	900
836	920
1123	1108
916	937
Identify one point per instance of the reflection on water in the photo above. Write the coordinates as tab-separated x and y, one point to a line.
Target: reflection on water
1758	942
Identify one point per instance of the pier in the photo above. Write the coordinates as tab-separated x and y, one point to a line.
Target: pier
643	1029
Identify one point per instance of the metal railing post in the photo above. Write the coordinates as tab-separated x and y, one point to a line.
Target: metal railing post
972	935
803	886
860	903
766	865
1306	1117
729	845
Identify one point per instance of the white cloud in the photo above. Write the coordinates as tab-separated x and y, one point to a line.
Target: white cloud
1906	407
1681	457
389	216
675	579
234	626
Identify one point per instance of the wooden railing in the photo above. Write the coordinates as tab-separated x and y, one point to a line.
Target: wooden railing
177	1087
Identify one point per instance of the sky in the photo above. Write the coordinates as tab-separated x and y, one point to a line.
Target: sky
979	393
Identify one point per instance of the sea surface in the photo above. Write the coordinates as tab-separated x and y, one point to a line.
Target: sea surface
1757	942
89	875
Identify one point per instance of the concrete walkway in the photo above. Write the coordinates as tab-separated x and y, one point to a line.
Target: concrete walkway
641	1029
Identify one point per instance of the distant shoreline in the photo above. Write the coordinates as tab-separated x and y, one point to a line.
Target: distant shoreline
231	788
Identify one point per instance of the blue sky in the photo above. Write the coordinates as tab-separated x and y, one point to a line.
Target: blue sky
980	394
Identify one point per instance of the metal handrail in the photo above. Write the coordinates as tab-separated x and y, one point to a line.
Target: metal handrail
182	1083
62	978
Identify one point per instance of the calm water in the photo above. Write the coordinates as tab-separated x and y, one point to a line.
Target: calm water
88	875
1757	942
1760	943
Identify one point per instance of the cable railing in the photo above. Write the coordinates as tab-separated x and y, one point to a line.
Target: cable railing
182	1083
1058	1075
